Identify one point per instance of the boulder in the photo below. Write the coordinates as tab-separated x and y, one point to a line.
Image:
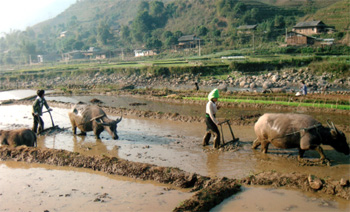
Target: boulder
242	84
275	78
252	85
222	87
267	85
314	182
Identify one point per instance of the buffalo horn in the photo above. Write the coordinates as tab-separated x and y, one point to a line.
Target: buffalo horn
334	127
329	125
119	119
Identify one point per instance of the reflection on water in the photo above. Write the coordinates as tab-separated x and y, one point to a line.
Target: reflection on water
16	94
270	199
19	94
34	187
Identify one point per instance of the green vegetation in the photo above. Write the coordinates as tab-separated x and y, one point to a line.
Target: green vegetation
207	67
116	26
301	103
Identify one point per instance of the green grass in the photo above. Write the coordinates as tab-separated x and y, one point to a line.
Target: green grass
271	102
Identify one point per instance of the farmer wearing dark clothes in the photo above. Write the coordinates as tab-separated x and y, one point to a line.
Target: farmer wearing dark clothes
38	111
210	119
303	88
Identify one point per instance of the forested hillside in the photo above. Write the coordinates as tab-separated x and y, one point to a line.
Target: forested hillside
137	24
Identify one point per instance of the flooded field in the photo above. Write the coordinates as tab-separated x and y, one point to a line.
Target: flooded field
163	143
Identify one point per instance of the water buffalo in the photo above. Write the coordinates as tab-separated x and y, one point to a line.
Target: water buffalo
18	137
297	131
92	118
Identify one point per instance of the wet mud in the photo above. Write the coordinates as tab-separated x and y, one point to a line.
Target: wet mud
210	191
340	188
106	164
137	156
41	187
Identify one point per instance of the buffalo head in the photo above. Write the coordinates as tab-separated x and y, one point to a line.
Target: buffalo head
338	139
109	125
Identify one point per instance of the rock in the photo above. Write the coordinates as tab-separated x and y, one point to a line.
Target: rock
278	90
267	85
343	182
252	85
275	78
314	182
127	87
222	87
95	101
242	84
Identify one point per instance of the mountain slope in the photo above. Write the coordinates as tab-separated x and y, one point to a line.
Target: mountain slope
337	15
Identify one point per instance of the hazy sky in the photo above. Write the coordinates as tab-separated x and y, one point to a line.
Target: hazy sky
19	14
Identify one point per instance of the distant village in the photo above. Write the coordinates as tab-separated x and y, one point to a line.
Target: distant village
301	35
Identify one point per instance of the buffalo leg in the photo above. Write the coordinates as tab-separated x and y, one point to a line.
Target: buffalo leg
320	151
74	129
264	146
301	154
256	143
82	133
206	138
97	132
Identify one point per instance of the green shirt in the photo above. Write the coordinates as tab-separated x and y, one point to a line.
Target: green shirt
38	105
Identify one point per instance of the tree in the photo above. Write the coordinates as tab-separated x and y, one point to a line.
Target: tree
78	45
144	6
125	33
152	43
73	21
170	41
166	35
202	31
157	9
142	24
104	33
178	34
279	21
158	13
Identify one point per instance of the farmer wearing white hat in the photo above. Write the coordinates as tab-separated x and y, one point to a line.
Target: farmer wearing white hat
210	119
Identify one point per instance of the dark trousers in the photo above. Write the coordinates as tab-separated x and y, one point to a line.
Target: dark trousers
37	121
211	129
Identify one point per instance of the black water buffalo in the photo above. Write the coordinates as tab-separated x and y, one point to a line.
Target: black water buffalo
18	137
297	131
92	118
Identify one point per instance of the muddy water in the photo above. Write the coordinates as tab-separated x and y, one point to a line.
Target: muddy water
16	94
33	187
270	199
177	144
150	105
190	110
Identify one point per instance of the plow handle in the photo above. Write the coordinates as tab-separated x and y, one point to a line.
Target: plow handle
53	125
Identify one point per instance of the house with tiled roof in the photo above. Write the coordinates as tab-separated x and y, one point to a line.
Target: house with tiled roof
247	27
188	41
310	27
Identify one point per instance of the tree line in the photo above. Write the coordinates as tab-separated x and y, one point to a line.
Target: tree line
150	29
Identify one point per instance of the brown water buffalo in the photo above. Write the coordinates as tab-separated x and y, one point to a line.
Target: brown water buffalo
18	137
92	118
297	131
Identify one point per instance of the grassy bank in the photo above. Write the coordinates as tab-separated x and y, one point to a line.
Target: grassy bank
316	103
